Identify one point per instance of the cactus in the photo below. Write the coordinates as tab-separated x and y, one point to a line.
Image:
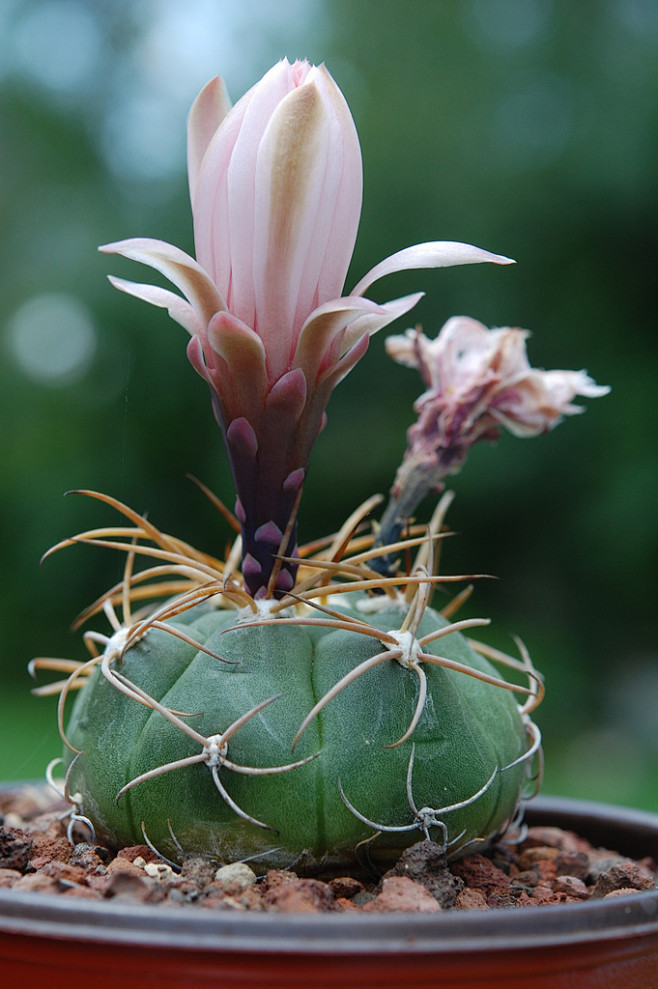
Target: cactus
296	732
291	705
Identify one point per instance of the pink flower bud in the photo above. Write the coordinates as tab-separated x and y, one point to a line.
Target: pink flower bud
275	184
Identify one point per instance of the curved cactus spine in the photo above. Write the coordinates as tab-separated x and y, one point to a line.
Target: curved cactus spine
205	628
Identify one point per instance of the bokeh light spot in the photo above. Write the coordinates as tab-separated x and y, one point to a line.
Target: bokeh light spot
53	339
66	28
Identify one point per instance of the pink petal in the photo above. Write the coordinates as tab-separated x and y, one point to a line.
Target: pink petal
179	310
223	202
290	174
435	254
177	266
241	380
288	396
339	204
207	112
349	318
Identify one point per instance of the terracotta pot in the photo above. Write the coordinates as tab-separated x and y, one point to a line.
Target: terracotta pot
610	943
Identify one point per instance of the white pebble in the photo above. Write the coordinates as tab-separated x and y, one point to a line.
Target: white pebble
237	873
159	870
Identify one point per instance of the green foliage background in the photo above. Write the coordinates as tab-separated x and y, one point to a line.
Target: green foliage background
529	127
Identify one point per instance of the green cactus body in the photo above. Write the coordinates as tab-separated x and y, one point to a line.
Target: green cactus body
469	734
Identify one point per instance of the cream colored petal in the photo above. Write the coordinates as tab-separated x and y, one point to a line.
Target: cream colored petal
207	112
345	321
179	309
434	254
178	267
288	216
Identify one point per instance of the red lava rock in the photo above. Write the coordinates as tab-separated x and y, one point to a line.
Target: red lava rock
132	852
345	904
401	893
625	875
8	877
15	849
345	887
198	870
299	896
65	872
548	868
572	864
525	880
426	863
37	882
125	885
571	886
564	841
46	848
126	866
92	858
471	899
542	894
276	877
479	872
84	892
536	853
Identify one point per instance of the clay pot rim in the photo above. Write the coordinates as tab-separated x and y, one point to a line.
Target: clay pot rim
628	831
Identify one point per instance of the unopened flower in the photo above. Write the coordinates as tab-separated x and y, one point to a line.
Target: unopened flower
477	381
275	184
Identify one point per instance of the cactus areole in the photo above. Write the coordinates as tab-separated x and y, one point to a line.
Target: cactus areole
303	706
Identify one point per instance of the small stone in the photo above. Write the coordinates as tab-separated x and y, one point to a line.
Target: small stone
479	872
537	853
564	841
277	877
124	866
426	863
46	849
198	870
8	877
125	885
572	864
625	875
159	871
600	860
37	882
526	880
299	896
471	899
346	904
345	887
235	877
251	899
505	899
65	872
90	857
132	852
83	892
572	886
399	893
15	849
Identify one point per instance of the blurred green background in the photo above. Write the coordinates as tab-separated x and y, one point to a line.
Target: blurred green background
529	127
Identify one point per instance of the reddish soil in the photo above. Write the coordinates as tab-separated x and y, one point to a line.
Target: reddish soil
548	866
